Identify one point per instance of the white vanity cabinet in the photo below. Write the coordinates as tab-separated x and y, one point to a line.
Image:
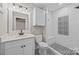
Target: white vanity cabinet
38	17
24	46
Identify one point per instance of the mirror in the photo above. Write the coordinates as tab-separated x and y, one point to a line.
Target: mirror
20	24
18	21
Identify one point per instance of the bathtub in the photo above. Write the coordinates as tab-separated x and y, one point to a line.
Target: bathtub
56	49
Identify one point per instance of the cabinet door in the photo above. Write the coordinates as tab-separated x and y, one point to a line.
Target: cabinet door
12	51
29	48
12	48
39	17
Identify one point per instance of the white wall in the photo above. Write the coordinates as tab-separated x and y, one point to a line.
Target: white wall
72	40
3	20
1	23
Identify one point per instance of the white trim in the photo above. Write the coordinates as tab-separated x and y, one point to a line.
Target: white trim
18	11
1	10
29	22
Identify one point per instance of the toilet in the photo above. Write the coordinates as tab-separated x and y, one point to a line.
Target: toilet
41	45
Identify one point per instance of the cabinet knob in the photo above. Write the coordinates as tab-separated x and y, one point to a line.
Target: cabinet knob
21	46
24	46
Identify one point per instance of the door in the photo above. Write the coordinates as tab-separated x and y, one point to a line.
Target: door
12	48
12	51
29	47
21	50
39	17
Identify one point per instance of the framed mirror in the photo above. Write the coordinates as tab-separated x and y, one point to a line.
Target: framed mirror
18	21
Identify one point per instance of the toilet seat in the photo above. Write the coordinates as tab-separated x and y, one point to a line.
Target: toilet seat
43	44
39	41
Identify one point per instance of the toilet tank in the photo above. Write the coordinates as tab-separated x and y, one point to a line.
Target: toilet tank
39	38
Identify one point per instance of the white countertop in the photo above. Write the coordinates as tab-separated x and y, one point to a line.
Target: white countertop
14	37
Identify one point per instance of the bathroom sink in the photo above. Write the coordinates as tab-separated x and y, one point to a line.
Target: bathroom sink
16	37
21	36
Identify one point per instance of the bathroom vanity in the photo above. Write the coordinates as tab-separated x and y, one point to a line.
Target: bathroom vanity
18	45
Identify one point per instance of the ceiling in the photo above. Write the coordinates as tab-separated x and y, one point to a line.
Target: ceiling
51	6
